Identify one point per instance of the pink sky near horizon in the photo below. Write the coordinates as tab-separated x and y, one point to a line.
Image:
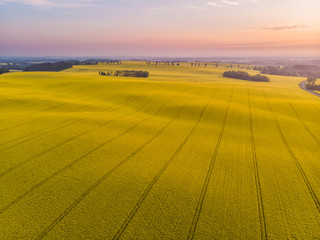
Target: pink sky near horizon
187	29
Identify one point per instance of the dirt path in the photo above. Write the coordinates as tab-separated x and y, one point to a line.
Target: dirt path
302	85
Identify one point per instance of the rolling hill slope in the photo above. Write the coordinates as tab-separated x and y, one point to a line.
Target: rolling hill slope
183	154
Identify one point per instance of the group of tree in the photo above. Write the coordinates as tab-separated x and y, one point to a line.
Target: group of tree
311	84
96	62
16	66
111	62
257	68
164	63
296	71
198	64
245	67
238	66
3	70
126	73
215	64
52	67
246	76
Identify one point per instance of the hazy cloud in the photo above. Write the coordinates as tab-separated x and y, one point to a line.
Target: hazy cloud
52	3
221	3
214	4
230	2
280	28
196	8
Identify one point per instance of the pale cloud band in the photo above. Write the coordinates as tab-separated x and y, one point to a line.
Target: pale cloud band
43	4
281	28
52	3
214	4
221	3
230	2
196	8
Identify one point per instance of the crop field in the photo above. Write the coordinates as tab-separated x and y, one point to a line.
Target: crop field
183	154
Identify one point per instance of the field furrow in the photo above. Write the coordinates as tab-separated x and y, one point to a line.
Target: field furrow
289	209
231	193
263	226
63	123
105	176
155	179
103	144
208	175
296	161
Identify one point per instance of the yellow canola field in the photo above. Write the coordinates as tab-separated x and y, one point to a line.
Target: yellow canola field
183	154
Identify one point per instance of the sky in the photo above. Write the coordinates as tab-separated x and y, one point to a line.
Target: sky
160	28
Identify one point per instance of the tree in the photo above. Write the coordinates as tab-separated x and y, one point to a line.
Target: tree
53	67
3	70
311	84
132	73
245	76
311	80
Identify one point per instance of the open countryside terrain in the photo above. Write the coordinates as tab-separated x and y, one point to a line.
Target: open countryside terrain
183	154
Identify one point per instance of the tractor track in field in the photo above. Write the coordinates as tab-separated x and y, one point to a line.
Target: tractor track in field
65	123
301	120
43	110
29	121
105	176
30	113
5	104
60	125
316	109
155	179
263	226
162	170
66	141
70	139
53	107
7	206
203	193
302	86
294	158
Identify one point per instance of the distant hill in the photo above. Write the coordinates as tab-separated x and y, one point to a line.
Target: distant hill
52	67
3	70
295	71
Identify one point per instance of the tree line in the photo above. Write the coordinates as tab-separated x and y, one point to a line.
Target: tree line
63	65
245	76
164	63
311	84
3	70
96	62
295	71
215	64
52	67
125	73
198	64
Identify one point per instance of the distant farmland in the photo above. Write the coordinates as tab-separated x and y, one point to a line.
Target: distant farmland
183	154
